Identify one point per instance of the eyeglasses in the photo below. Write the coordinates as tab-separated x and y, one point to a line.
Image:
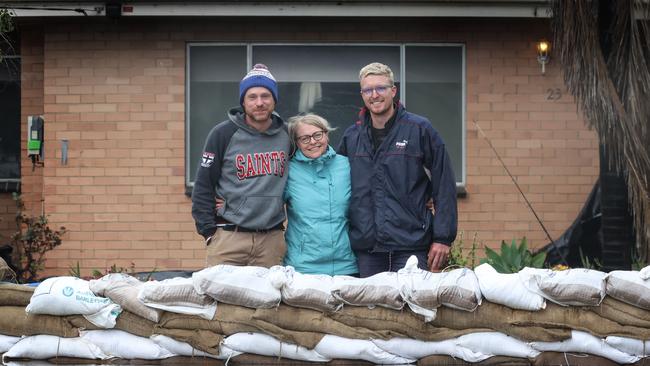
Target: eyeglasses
317	136
381	90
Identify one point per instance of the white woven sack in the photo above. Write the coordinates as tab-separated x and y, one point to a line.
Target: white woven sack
265	345
244	286
186	349
27	363
460	290
644	273
336	347
496	344
41	347
177	295
631	346
382	289
507	289
7	342
72	296
576	287
311	291
629	287
123	289
420	289
416	349
118	343
587	343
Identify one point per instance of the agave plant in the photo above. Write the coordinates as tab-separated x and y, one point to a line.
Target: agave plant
513	257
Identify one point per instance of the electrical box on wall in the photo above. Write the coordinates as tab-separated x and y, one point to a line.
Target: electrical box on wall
35	140
34	135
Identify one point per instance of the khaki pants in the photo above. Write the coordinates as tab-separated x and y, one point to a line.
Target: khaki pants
246	249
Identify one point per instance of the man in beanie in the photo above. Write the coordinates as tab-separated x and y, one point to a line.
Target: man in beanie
398	162
244	166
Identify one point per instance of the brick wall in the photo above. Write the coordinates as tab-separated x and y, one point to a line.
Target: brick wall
116	93
7	217
31	99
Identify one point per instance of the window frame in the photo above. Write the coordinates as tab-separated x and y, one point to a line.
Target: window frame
460	183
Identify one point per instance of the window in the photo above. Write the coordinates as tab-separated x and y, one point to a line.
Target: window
9	115
323	79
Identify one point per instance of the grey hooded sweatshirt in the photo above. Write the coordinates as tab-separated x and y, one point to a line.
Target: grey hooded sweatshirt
246	168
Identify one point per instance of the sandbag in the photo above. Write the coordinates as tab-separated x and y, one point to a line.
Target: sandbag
622	313
644	273
424	291
6	271
40	347
307	320
244	286
576	318
71	296
308	340
123	289
186	349
335	347
440	360
126	321
310	291
402	323
629	287
415	349
6	342
14	321
585	342
228	319
177	295
577	287
569	358
631	346
118	343
460	290
420	289
507	289
500	318
200	340
12	294
382	289
265	345
496	344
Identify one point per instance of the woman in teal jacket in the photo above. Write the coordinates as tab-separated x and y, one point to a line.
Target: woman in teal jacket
317	195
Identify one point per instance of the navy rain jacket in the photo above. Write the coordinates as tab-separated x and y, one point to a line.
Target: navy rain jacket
390	186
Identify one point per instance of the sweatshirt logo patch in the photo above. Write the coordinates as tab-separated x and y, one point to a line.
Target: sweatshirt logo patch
207	159
401	145
259	164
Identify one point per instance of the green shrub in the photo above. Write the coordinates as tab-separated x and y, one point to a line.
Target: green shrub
32	239
513	258
457	256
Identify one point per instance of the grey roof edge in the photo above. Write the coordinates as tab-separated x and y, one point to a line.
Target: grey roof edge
260	8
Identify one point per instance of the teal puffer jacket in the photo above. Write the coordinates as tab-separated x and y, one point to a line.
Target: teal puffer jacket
317	196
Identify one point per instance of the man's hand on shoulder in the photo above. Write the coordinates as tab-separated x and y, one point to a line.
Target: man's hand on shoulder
437	257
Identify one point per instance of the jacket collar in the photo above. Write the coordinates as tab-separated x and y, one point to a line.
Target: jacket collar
328	155
364	115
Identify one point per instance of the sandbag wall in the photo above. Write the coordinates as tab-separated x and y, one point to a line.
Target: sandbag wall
244	315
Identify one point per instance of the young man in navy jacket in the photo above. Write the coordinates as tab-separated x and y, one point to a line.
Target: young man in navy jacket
398	162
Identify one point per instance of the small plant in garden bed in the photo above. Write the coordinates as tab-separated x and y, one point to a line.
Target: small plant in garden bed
513	257
32	239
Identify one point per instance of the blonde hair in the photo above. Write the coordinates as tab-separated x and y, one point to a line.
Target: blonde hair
377	68
308	119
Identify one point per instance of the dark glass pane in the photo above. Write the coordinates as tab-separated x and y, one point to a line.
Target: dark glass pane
10	118
434	89
215	72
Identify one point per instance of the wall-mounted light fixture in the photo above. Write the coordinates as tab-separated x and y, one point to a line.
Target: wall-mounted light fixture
543	53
